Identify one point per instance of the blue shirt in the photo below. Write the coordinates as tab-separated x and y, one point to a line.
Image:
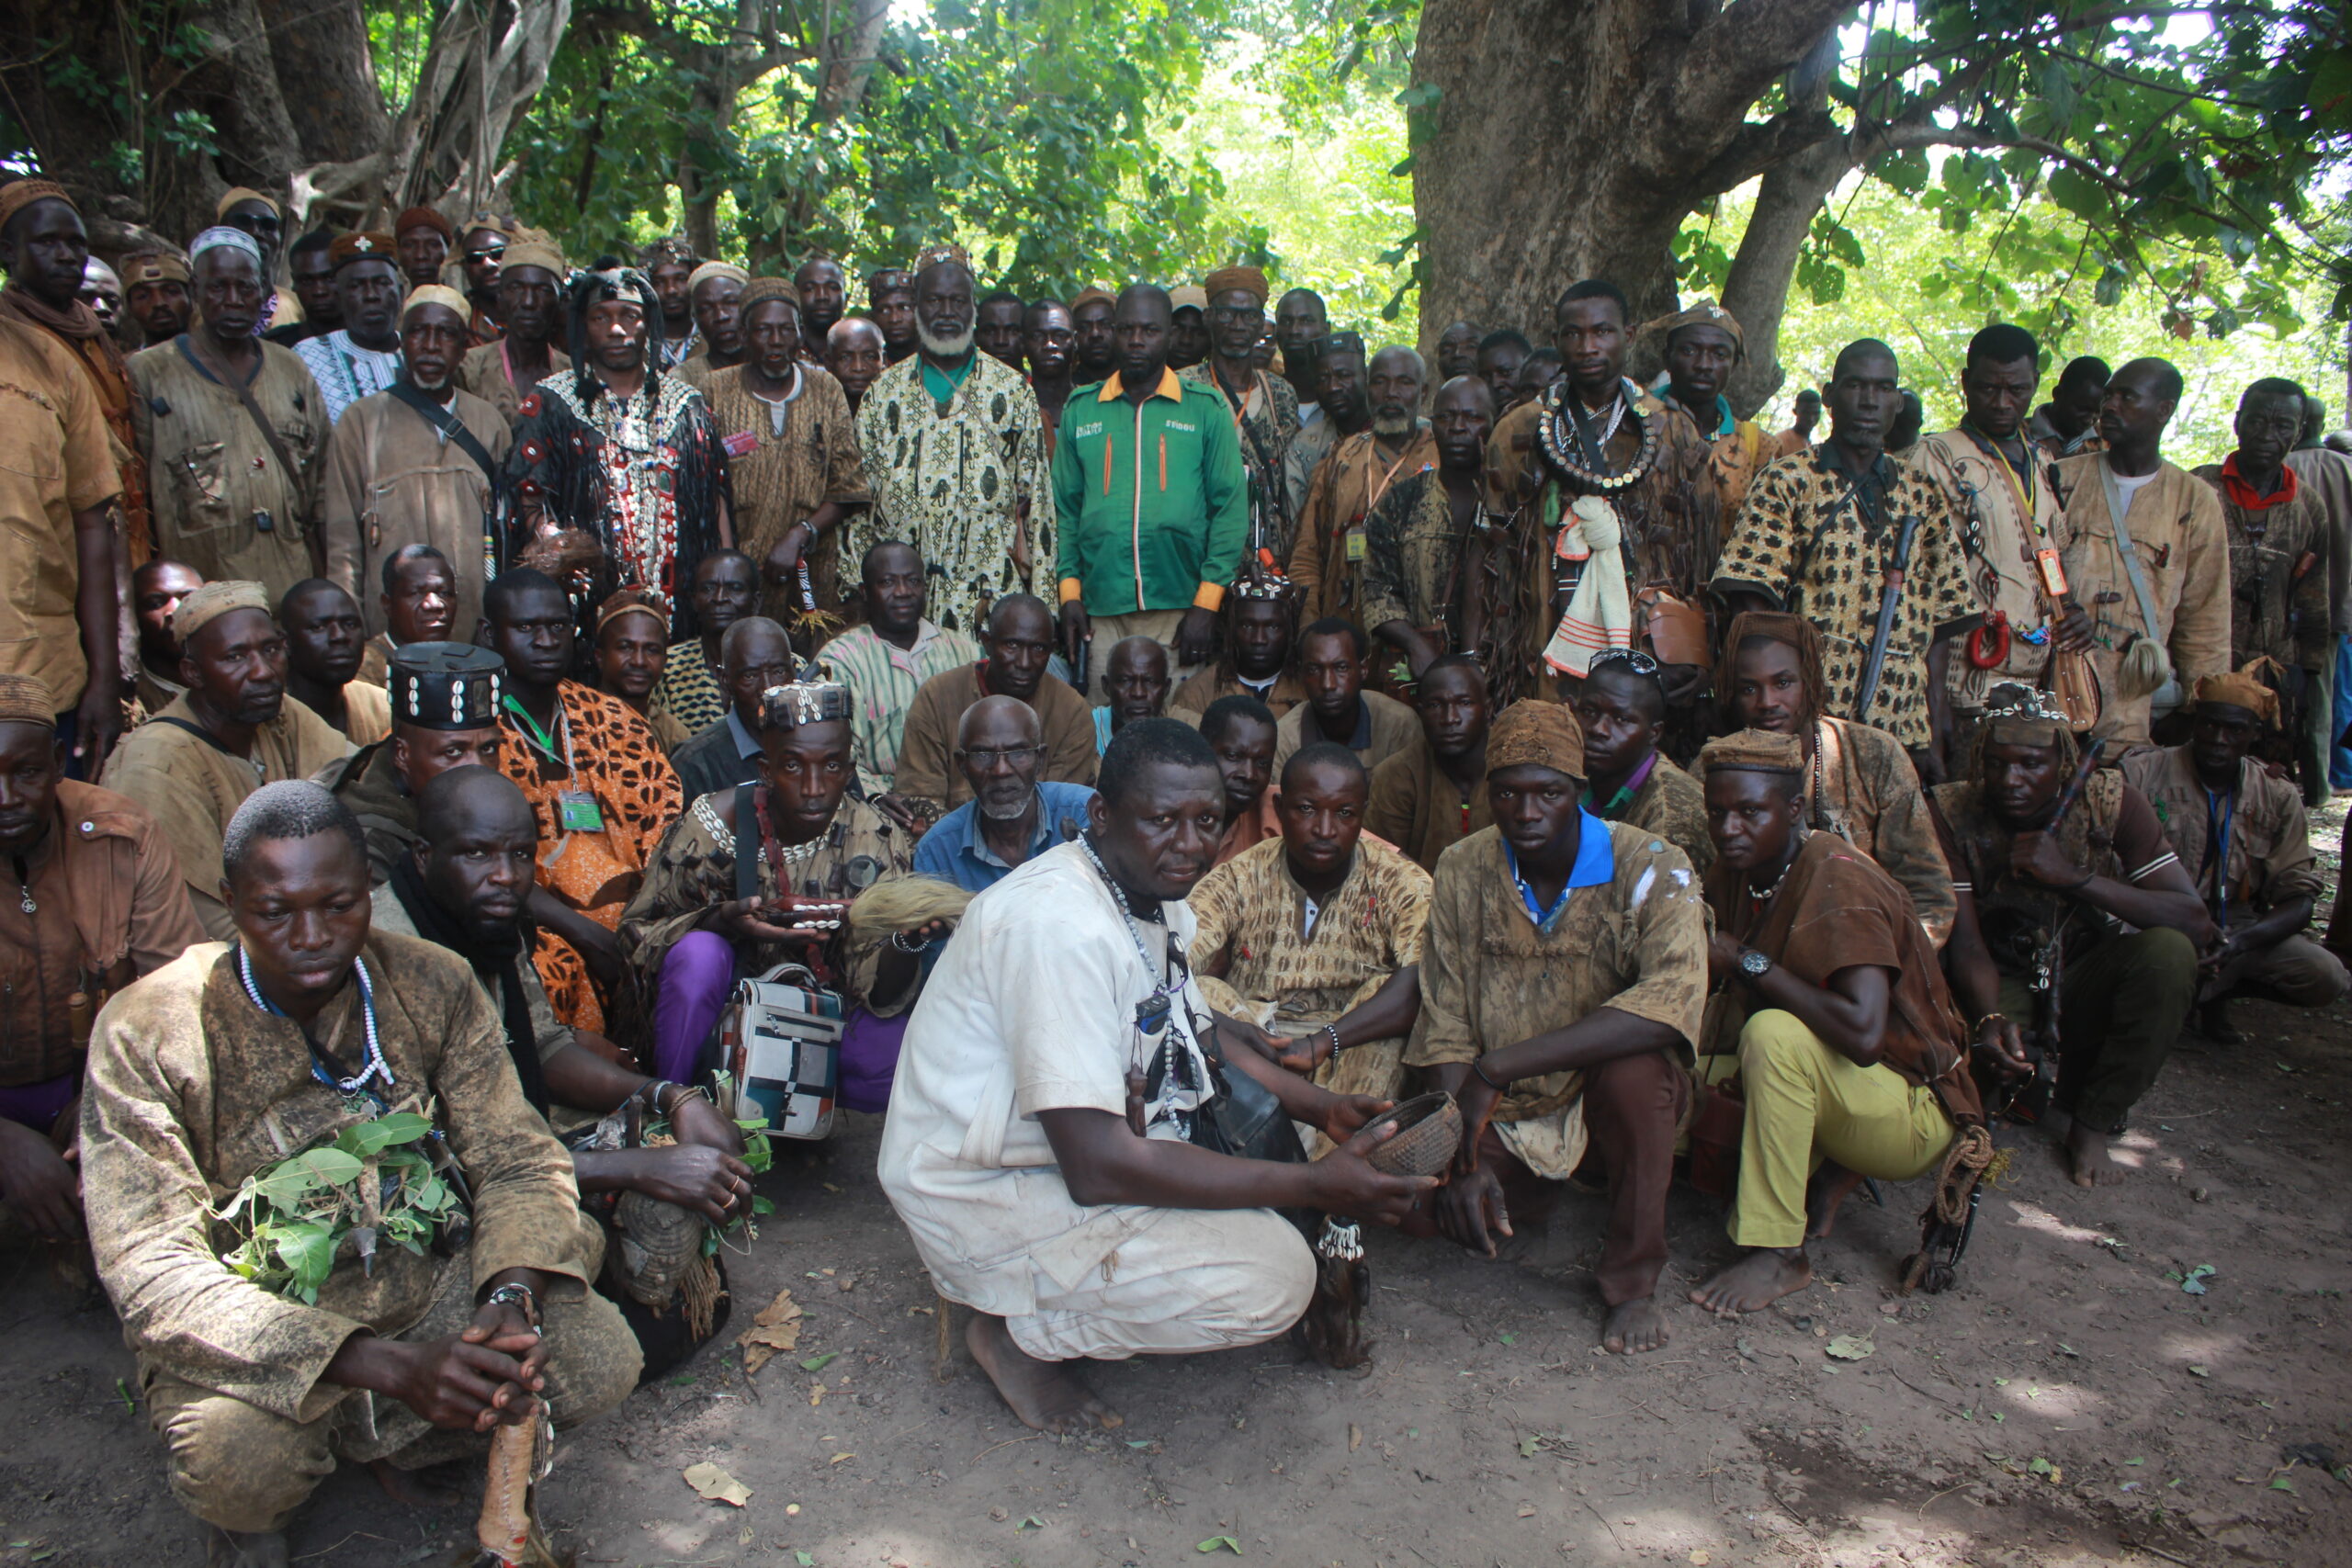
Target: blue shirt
953	851
1596	864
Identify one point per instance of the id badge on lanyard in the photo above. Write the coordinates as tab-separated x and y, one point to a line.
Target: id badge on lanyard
577	812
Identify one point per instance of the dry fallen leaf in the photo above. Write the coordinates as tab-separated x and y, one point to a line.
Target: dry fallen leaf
838	1457
1700	1558
776	1327
1355	1437
715	1485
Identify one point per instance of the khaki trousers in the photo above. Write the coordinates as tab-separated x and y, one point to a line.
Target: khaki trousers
1190	1280
1807	1104
243	1467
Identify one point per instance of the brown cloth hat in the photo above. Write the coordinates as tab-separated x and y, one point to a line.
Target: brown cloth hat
1754	751
1250	280
18	195
1189	297
2240	689
633	601
760	290
214	600
1536	734
711	269
1795	631
1091	292
889	280
1699	313
151	267
943	251
2019	714
360	246
536	253
437	294
425	217
236	193
25	699
669	248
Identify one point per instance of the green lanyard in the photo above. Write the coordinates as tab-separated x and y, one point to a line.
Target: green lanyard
538	737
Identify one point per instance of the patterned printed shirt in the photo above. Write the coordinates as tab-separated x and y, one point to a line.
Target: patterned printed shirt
346	372
1805	543
1256	937
883	679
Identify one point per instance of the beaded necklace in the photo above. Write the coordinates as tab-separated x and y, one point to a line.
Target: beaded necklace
351	1088
1558	438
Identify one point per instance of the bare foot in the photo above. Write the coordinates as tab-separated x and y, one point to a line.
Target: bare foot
1832	1185
1756	1282
1045	1394
1633	1327
435	1486
2086	1156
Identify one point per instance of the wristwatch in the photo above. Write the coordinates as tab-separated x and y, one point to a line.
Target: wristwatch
1753	964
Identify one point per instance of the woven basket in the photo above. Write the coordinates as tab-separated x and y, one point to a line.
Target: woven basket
1428	1131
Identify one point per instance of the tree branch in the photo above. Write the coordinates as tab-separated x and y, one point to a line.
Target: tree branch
1743	51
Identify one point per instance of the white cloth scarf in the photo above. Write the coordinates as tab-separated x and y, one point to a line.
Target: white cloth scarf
1600	613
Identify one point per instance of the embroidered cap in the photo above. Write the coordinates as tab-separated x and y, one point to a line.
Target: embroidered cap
796	703
446	685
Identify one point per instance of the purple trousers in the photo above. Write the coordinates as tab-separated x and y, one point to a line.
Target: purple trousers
697	979
697	976
39	1105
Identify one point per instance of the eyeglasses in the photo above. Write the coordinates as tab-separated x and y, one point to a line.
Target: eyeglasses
1234	315
491	255
1632	657
1014	756
769	674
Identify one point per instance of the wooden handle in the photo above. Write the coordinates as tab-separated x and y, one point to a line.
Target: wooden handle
503	1531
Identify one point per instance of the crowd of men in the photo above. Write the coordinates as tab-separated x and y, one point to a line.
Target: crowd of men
1174	729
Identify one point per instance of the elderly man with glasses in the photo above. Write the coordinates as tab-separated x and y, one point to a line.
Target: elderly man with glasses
1013	816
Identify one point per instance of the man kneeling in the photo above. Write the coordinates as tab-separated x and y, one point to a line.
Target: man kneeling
1850	1052
463	889
235	1056
1056	1079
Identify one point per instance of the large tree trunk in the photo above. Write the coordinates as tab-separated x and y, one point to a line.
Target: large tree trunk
1570	138
339	112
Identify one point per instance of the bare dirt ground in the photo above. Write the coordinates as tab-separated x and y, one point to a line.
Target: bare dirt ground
2069	1402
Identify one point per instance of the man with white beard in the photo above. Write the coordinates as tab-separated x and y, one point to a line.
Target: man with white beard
955	453
413	466
1014	816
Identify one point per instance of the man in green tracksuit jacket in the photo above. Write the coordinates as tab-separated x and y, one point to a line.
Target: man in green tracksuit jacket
1152	500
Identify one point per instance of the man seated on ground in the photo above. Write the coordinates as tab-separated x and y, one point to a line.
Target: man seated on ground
1429	798
313	1021
463	886
325	640
1852	1058
1562	978
444	698
233	731
1859	785
885	661
1332	655
693	687
419	602
755	655
1134	677
156	590
1012	816
1621	707
1259	618
632	651
1067	1209
687	938
1240	732
1312	941
2106	870
603	792
99	902
2240	833
1017	645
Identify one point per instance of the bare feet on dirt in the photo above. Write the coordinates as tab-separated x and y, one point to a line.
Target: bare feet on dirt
1633	1326
1045	1394
2086	1156
1832	1185
1756	1282
435	1486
